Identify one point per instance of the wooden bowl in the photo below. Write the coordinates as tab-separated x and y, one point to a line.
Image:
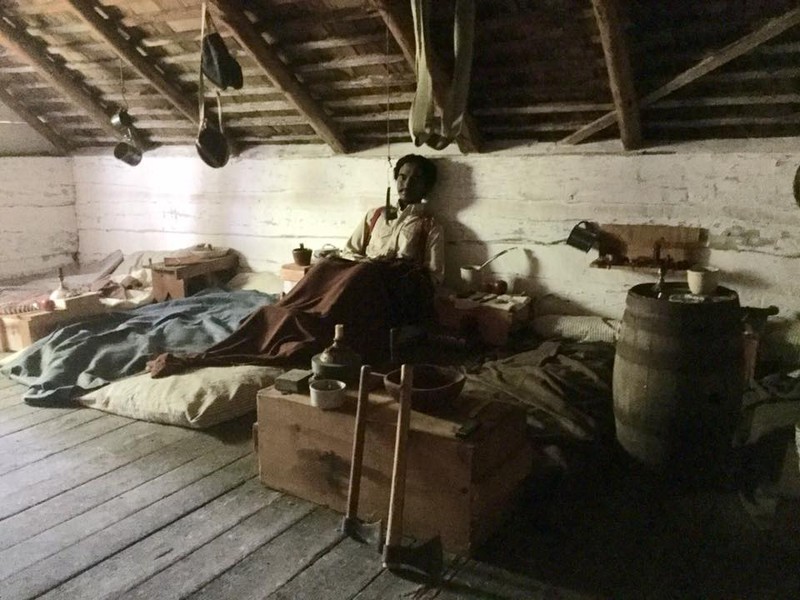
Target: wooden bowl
435	387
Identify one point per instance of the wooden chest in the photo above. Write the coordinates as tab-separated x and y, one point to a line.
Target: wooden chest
461	482
20	331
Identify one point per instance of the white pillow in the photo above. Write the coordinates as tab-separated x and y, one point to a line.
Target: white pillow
197	399
580	328
261	281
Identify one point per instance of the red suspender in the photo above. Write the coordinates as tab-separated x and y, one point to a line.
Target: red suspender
374	220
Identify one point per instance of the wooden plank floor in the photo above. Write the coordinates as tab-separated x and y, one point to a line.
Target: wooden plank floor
97	506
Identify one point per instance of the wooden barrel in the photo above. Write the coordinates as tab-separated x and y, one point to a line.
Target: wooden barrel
677	380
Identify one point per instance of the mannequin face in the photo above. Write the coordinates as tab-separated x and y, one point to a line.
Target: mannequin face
411	186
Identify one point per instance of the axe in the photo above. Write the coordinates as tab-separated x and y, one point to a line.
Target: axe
422	562
352	526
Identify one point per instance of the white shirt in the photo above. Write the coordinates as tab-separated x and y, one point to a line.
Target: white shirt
403	237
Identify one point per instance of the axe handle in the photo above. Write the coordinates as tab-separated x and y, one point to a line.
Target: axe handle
357	458
394	528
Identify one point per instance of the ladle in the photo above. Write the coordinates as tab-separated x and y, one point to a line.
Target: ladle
496	256
470	274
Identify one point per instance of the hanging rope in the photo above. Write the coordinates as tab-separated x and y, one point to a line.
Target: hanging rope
122	84
389	212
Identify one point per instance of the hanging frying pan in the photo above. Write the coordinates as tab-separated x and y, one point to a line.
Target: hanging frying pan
211	144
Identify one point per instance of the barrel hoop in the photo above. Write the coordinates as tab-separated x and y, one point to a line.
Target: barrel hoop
728	356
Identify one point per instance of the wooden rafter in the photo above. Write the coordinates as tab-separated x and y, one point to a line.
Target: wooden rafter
31	119
771	29
16	41
105	29
280	75
401	26
620	75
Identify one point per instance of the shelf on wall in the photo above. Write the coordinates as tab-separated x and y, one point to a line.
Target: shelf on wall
646	244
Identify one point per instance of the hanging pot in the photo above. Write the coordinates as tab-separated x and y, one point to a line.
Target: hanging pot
212	146
583	236
122	119
128	153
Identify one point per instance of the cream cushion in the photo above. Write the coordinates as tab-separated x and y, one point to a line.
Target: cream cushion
197	399
261	281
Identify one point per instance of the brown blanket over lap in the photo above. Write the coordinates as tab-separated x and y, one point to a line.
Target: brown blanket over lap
368	298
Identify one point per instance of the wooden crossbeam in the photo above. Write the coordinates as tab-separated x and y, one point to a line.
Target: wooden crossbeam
401	26
280	75
55	74
106	30
620	75
723	56
31	119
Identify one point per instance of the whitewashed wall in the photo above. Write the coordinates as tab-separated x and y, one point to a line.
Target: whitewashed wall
266	204
38	227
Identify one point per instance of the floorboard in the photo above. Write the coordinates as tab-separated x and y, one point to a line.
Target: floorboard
99	503
208	562
21	416
286	555
33	447
95	506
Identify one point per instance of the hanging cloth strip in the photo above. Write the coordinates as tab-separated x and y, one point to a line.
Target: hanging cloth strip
423	124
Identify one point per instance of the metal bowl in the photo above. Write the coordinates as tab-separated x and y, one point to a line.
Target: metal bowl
435	387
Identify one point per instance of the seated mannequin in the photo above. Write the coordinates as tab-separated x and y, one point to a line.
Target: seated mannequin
384	280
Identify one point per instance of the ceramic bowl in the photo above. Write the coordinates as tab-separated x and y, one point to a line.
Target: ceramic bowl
435	387
327	393
703	281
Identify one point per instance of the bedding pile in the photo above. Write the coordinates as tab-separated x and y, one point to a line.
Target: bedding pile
564	384
78	279
89	354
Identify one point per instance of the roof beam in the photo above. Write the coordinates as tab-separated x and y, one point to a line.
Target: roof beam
31	119
55	74
620	75
771	29
106	29
401	26
274	68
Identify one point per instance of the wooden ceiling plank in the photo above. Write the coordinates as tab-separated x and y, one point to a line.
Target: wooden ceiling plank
31	119
25	48
620	74
107	31
770	30
401	27
280	75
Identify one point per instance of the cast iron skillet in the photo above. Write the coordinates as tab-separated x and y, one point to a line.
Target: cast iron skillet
212	146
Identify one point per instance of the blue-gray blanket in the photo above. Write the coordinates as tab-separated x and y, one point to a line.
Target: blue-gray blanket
89	354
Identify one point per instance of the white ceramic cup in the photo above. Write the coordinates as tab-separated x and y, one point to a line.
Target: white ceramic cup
327	393
702	281
471	278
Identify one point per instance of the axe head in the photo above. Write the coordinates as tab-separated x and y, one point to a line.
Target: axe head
423	562
366	533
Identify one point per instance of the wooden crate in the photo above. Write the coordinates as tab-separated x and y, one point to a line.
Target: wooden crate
492	322
181	280
20	331
291	273
461	489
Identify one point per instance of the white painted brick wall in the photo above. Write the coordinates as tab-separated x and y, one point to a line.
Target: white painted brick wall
265	204
38	225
